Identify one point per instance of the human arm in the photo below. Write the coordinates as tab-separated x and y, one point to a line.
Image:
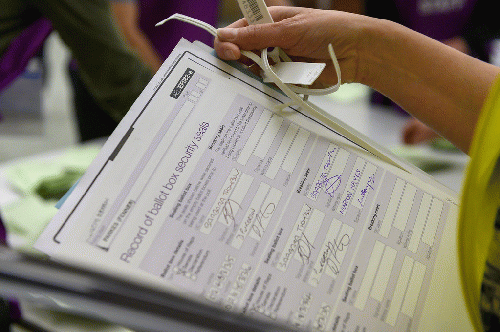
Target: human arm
437	84
417	132
126	15
113	74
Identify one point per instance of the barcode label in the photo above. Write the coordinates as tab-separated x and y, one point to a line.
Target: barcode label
255	11
254	7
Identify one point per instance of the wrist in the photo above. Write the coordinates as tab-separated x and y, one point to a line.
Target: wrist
374	58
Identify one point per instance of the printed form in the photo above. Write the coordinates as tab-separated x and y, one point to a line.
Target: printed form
207	188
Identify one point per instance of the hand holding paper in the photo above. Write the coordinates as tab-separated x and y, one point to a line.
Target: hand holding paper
427	79
300	32
206	190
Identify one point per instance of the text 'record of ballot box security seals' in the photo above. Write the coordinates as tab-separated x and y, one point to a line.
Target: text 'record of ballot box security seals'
291	73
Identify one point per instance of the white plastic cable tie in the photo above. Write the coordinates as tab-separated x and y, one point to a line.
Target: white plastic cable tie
193	21
263	63
292	90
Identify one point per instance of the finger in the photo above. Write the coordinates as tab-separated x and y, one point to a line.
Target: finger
253	37
256	37
229	51
247	61
255	69
242	22
415	132
279	13
226	50
259	36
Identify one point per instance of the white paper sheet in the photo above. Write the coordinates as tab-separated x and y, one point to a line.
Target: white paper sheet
204	188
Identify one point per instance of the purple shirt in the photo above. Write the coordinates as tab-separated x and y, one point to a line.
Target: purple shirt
3	233
15	311
14	60
165	37
438	19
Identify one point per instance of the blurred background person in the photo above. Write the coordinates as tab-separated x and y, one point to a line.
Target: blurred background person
136	21
137	18
113	74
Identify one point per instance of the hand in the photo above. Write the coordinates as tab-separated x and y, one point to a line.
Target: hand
415	132
458	43
304	34
435	83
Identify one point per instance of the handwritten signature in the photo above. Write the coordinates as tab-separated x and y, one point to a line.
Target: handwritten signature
329	160
260	224
304	248
369	186
334	186
233	180
330	258
356	178
229	209
331	185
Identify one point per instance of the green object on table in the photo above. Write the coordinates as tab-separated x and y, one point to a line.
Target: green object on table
28	176
419	156
40	183
55	187
26	218
443	145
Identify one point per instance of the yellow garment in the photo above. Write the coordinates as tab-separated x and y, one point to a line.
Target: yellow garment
480	202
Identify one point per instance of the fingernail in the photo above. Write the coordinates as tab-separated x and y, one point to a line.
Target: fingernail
227	34
230	55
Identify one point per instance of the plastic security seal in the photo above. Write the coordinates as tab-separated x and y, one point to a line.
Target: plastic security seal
278	56
303	73
253	10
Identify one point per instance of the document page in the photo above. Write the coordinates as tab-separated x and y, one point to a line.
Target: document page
206	188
